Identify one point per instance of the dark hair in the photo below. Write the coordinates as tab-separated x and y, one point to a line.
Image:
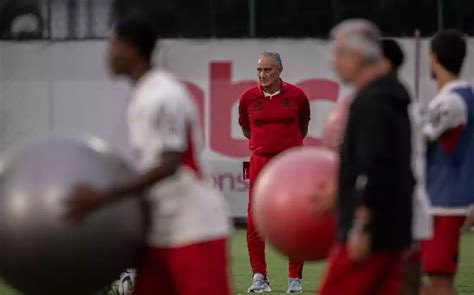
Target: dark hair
139	32
450	49
393	52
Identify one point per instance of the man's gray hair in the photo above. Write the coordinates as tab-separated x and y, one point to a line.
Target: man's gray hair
361	35
273	55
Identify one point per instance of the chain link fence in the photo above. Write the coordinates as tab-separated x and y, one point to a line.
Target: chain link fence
55	19
85	19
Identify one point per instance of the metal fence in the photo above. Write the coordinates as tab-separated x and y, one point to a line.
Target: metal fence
80	19
76	19
55	19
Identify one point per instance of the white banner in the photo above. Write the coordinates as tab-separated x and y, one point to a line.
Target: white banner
65	87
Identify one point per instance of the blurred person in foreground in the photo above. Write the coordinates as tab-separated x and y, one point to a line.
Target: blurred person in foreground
187	238
335	125
333	133
390	63
274	116
422	226
374	199
449	131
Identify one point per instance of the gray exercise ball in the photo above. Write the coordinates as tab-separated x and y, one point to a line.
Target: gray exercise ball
41	253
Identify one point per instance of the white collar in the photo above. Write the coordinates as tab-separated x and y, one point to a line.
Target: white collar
448	87
266	94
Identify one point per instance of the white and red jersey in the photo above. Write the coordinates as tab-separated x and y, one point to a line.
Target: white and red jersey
162	117
450	154
185	208
446	112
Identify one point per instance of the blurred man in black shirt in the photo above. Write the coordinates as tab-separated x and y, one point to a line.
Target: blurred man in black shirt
422	225
392	56
374	201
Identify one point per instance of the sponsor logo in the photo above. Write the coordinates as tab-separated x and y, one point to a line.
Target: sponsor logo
229	181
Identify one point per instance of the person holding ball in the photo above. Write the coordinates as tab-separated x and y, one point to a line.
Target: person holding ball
186	251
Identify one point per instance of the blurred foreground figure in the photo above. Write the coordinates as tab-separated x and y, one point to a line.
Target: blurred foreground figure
335	125
376	181
449	131
422	226
390	64
41	252
187	239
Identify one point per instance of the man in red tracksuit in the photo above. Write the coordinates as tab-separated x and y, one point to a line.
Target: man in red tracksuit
274	115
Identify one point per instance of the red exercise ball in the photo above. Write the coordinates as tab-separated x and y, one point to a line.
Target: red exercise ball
283	202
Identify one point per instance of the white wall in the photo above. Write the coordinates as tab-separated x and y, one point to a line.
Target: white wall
64	87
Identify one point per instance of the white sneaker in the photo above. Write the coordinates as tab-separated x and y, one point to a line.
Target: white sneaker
294	286
125	285
259	284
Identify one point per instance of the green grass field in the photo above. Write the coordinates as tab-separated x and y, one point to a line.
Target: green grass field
277	265
312	272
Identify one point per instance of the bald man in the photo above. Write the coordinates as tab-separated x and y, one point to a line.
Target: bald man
274	116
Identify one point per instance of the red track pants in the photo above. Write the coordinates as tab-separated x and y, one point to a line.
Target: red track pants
197	269
255	244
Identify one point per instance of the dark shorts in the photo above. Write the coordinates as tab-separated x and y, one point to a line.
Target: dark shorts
440	254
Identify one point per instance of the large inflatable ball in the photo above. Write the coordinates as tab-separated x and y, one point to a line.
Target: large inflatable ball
41	252
283	203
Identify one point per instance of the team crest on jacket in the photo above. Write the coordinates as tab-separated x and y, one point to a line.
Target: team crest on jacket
258	105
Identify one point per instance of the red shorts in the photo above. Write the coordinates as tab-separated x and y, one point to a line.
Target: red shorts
412	255
198	269
440	254
380	273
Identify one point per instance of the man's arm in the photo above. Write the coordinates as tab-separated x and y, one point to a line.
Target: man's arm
447	115
164	147
469	223
373	153
246	131
304	129
244	117
170	162
304	114
86	198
